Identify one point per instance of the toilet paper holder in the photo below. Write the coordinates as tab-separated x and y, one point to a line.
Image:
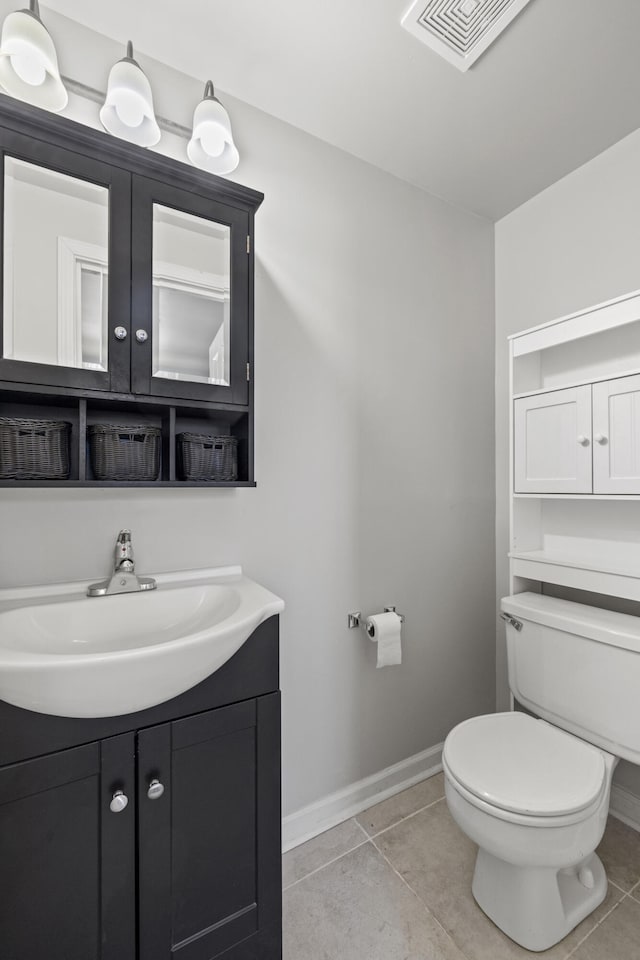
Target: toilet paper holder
356	619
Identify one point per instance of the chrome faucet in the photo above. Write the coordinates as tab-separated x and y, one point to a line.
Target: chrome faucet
123	578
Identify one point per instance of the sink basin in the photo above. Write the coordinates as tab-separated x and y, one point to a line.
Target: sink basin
70	655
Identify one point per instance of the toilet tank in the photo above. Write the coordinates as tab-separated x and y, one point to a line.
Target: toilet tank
577	667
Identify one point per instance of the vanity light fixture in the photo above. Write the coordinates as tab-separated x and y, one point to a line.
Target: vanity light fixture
211	146
128	108
28	61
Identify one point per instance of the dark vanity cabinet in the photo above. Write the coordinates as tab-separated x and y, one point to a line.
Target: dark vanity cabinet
127	290
151	836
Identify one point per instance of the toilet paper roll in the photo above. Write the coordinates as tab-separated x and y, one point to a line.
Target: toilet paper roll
384	629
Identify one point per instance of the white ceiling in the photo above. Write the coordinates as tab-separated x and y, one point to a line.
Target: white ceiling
558	87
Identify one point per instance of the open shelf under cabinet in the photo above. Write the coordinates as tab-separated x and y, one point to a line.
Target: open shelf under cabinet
172	417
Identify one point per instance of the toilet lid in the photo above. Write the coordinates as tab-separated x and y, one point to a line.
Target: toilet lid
524	765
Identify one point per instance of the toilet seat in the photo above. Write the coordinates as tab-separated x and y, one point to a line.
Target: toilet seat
523	769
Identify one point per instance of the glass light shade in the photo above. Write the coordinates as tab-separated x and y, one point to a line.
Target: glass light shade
28	62
211	146
128	109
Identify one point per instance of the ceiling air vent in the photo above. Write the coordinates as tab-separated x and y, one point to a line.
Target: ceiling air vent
460	30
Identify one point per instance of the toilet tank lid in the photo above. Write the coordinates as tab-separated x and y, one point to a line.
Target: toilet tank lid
605	626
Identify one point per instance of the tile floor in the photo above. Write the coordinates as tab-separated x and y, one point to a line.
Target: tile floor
394	883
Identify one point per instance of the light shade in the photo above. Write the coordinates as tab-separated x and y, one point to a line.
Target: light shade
128	108
211	146
28	61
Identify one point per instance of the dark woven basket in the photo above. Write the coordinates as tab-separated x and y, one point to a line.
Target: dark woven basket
34	449
122	452
202	457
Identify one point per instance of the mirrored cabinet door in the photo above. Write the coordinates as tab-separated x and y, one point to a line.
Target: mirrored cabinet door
190	301
65	268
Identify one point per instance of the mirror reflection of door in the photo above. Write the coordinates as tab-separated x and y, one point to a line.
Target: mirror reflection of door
191	298
56	238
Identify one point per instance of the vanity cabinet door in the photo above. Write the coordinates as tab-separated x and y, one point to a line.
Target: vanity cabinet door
552	442
66	267
210	848
616	436
67	863
191	295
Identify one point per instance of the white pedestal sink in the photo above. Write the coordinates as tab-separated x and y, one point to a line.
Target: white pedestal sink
70	655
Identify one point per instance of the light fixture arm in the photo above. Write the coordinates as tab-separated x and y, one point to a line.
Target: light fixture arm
34	8
208	91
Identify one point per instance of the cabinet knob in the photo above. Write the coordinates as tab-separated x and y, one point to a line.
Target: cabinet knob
600	438
120	333
118	802
582	440
155	791
142	336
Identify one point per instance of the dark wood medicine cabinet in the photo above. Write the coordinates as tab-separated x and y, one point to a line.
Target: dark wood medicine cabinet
127	292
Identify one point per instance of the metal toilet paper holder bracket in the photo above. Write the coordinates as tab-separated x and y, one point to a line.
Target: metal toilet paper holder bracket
355	619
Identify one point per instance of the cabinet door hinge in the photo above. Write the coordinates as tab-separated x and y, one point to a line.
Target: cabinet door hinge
248	244
248	371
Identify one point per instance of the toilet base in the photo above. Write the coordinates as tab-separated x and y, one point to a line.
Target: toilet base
537	906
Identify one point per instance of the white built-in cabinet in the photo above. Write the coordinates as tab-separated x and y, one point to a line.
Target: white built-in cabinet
582	439
575	452
616	436
553	442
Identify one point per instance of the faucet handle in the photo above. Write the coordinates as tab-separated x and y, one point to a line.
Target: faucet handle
124	547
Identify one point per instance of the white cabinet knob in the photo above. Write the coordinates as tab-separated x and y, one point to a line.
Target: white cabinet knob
119	802
600	438
583	441
155	791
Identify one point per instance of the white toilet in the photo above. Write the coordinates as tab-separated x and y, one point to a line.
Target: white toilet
534	794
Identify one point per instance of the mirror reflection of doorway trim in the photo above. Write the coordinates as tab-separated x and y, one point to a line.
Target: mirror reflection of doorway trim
209	286
74	257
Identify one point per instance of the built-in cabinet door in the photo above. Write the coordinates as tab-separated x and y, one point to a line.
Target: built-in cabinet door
552	442
66	267
209	855
616	436
67	861
191	259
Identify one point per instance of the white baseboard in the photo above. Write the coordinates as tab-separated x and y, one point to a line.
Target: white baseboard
333	809
625	806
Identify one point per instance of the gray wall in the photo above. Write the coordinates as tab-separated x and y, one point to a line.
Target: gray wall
573	245
374	451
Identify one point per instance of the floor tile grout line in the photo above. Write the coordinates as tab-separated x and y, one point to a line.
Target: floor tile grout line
367	837
416	895
415	813
327	864
355	819
622	891
598	923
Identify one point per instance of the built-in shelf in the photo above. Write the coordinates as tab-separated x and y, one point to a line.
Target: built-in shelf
575	383
171	416
570	384
579	572
576	496
148	484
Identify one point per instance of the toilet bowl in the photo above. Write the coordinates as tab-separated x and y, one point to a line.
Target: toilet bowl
533	794
535	801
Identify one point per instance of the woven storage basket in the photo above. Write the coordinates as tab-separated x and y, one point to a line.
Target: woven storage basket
202	457
34	449
123	452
